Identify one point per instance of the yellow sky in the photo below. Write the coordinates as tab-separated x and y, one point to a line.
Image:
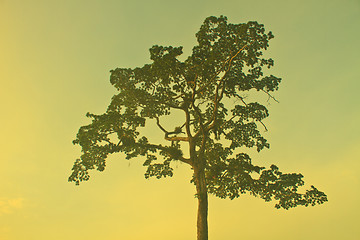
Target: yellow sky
55	58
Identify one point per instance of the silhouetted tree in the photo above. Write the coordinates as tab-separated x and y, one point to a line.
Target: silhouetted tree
226	63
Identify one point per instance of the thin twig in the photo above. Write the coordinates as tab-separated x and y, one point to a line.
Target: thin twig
270	95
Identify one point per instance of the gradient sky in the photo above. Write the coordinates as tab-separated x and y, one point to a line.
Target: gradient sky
55	58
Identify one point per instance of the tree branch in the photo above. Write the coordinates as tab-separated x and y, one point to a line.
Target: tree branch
174	138
161	127
270	95
187	122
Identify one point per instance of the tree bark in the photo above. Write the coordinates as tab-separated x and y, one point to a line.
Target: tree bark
202	195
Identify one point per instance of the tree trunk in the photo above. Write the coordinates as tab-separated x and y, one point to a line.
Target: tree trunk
201	189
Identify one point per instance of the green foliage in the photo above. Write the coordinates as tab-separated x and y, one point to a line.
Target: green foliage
226	63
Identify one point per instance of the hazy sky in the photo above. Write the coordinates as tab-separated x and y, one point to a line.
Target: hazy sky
55	58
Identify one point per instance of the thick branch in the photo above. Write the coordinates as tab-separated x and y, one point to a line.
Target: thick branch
196	109
161	127
187	122
201	121
174	138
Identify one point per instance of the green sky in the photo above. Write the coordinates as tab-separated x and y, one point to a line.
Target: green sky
55	58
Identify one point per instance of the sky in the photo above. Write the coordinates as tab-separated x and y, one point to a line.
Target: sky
54	68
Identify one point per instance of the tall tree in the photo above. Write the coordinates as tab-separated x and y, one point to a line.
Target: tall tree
226	64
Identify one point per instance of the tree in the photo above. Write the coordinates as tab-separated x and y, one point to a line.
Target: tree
226	64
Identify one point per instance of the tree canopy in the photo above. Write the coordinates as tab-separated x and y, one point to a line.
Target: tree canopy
226	64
